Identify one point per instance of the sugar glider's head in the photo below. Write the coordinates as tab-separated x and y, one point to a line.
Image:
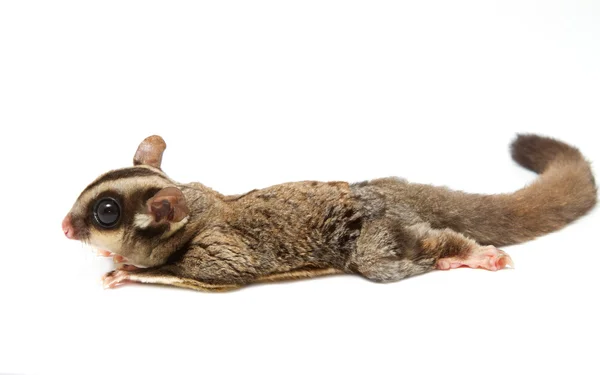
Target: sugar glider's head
131	211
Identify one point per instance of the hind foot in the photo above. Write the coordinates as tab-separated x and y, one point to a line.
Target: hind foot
486	257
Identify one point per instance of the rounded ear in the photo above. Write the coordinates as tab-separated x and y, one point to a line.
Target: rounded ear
168	205
150	151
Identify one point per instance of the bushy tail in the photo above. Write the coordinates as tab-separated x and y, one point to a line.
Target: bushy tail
539	153
564	191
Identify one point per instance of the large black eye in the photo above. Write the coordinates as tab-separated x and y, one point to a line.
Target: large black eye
107	212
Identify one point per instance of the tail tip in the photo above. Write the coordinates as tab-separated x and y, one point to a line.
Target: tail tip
535	152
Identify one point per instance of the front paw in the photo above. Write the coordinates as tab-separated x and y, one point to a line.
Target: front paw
115	278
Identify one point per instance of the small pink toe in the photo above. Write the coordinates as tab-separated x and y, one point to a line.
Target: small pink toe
103	253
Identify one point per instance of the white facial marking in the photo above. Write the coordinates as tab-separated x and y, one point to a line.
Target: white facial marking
142	221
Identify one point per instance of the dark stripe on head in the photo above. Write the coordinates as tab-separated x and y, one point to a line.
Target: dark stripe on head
152	231
123	173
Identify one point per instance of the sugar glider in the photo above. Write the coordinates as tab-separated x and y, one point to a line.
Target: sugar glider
188	235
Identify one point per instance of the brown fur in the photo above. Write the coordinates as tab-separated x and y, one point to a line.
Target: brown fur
385	229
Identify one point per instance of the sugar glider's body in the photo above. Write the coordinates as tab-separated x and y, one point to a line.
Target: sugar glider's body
386	229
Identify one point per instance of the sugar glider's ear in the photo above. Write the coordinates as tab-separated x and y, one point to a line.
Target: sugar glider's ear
168	205
150	151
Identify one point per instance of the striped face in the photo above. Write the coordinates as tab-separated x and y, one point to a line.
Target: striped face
112	212
130	211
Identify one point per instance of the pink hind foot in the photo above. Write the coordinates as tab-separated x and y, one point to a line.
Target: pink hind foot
486	257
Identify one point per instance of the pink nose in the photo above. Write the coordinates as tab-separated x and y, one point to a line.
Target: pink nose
68	229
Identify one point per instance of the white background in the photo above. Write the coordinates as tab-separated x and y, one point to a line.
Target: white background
253	93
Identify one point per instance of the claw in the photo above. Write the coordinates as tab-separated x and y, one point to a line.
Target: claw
507	261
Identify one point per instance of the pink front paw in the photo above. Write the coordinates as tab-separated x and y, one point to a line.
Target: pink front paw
115	278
